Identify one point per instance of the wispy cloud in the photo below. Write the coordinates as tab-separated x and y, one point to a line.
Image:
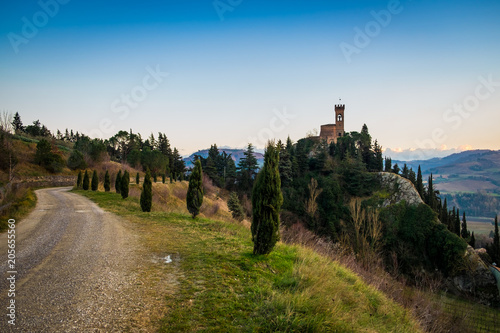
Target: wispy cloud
413	154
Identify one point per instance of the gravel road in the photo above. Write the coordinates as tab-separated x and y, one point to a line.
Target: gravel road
78	269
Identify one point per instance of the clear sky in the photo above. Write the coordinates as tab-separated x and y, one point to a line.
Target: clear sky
420	74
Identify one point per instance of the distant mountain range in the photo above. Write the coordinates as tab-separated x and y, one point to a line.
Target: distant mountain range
468	171
236	155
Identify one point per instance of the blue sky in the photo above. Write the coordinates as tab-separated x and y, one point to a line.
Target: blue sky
424	74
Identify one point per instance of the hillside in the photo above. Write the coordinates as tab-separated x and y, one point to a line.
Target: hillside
236	155
468	171
215	283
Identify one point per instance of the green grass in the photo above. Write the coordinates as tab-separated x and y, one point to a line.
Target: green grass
223	287
22	202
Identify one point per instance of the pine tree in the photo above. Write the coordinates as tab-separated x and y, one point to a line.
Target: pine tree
396	169
95	181
285	166
107	182
464	233
124	183
86	181
266	201
248	167
118	180
444	213
194	197
154	177
17	124
137	179
405	173
379	159
420	183
412	177
147	193
235	207
79	180
431	199
388	164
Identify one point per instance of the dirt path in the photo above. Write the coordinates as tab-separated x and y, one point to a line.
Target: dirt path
79	269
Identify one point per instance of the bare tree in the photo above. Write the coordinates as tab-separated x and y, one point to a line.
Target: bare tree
6	121
314	192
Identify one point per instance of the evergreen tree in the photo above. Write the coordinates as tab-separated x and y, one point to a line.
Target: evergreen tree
163	178
248	167
285	167
464	233
147	193
412	177
472	241
420	183
154	177
388	164
405	173
194	197
396	169
235	207
86	181
266	201
17	124
379	159
107	182
456	227
124	183
118	185
79	180
444	213
496	242
137	179
431	198
95	181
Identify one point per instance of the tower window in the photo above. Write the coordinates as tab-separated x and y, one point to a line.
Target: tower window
339	117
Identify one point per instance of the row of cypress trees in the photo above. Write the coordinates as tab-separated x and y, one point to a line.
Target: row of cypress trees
121	182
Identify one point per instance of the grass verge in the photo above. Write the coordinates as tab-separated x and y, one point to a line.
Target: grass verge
221	286
18	205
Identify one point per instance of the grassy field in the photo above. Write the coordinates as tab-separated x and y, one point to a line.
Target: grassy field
216	284
480	228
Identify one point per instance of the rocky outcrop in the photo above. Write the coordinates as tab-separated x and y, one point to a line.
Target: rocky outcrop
399	189
476	279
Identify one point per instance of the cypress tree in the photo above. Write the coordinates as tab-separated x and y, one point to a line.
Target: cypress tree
137	179
147	193
124	184
388	164
464	233
266	201
118	180
163	178
194	197
472	241
496	241
457	223
154	177
171	178
444	213
79	180
420	183
86	181
396	169
95	181
107	182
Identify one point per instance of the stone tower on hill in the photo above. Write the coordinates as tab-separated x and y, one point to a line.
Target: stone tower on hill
331	132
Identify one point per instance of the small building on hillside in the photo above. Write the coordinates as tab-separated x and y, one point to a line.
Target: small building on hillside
331	132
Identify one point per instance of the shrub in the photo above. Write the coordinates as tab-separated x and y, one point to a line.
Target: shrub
194	196
235	207
86	181
118	180
95	181
147	193
76	160
124	184
79	180
107	182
